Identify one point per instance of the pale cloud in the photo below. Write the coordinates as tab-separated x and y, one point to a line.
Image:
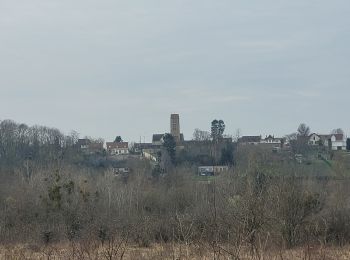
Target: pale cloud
110	66
263	45
229	99
308	93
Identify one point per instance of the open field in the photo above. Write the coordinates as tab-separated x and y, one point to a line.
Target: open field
165	252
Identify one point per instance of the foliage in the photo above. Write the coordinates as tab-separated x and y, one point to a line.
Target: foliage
169	144
303	130
118	139
200	135
227	155
337	131
267	201
217	129
24	145
299	140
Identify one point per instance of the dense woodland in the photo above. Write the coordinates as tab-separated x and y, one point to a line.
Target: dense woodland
50	193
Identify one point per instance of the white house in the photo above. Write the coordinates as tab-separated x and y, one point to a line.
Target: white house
149	155
338	142
272	140
211	170
314	139
333	141
115	148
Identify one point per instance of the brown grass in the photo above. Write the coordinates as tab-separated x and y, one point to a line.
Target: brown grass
165	252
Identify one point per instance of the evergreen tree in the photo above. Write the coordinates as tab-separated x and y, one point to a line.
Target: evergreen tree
169	144
118	139
217	129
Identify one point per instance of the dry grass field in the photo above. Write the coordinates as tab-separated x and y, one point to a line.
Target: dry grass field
164	252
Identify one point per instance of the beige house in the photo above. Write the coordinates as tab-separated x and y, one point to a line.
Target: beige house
115	148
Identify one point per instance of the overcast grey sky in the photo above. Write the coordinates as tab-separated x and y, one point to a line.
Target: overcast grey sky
111	67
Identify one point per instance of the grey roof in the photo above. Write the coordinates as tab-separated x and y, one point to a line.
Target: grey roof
250	139
182	138
157	137
84	141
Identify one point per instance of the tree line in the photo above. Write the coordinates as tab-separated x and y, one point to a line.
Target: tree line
254	208
19	143
246	210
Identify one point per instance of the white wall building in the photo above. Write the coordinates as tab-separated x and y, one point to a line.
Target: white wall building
338	142
314	139
116	148
333	141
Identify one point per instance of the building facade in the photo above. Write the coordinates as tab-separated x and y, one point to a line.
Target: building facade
250	140
335	142
90	147
315	139
338	142
272	140
212	170
115	148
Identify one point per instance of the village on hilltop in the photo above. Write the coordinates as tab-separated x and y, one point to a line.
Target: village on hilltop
209	149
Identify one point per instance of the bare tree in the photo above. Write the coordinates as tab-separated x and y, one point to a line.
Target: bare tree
303	130
337	131
200	135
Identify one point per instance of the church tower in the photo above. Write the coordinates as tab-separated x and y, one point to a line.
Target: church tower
175	127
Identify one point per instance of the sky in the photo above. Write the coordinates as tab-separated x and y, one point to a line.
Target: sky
109	67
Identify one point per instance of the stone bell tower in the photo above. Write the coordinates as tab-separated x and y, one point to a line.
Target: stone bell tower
175	127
